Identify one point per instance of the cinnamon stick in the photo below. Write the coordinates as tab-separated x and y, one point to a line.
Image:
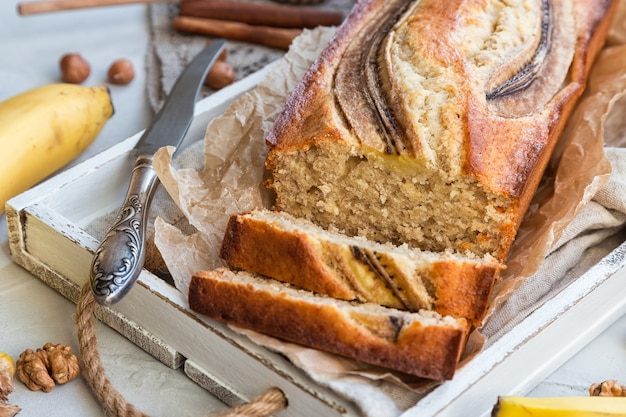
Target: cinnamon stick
45	6
279	38
264	14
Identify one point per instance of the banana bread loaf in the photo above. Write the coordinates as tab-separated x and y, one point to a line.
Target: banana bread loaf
424	124
430	123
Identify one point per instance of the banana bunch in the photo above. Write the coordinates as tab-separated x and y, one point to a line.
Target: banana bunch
512	406
43	129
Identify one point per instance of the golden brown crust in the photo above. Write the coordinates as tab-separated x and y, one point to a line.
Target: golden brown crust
504	144
383	337
525	144
295	126
463	289
352	269
293	258
495	155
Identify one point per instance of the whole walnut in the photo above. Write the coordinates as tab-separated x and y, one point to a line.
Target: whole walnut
609	388
46	367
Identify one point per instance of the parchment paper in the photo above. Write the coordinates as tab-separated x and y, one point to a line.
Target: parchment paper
579	210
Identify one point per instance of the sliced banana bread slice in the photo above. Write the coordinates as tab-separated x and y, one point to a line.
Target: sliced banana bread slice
296	251
424	344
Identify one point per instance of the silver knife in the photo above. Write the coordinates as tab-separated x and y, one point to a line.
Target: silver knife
119	260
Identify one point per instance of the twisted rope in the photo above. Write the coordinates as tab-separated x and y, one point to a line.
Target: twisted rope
264	405
95	374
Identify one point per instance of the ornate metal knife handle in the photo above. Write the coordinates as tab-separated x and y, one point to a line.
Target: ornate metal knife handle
119	260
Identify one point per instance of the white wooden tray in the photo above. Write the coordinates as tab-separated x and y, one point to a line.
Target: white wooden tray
47	236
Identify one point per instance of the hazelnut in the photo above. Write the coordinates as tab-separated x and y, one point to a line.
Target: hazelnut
220	75
121	72
74	68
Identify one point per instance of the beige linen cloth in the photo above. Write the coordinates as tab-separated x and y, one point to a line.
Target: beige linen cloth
169	51
222	175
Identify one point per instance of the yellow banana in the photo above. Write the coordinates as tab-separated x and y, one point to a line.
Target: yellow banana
43	129
512	406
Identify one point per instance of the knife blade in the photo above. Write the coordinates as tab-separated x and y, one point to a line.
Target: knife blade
118	261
